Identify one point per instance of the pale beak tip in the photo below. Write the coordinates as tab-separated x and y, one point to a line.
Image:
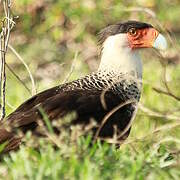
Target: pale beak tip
160	42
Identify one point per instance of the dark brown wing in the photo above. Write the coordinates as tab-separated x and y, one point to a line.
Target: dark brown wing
86	103
56	104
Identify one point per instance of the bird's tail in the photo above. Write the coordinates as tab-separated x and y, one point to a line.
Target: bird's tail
8	141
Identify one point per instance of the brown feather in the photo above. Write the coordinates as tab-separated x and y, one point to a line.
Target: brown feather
86	103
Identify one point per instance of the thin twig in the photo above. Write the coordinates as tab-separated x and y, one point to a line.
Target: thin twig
166	84
18	78
72	68
141	9
166	139
27	68
135	140
105	119
7	25
102	98
164	79
3	77
160	91
149	112
9	105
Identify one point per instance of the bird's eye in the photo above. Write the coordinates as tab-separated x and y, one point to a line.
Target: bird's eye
132	31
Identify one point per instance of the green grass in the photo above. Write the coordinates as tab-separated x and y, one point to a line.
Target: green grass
79	161
146	155
50	33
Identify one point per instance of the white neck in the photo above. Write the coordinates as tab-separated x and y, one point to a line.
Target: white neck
118	57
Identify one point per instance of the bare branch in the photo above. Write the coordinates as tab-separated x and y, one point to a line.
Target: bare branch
18	78
149	112
158	90
7	25
27	68
111	113
135	140
141	9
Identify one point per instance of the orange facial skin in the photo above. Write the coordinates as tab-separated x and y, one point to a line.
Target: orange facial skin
142	38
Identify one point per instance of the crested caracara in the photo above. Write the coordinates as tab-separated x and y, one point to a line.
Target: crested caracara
118	78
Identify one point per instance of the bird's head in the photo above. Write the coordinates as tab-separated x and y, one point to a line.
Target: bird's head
120	44
134	35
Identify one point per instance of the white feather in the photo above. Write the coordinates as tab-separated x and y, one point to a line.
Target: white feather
117	56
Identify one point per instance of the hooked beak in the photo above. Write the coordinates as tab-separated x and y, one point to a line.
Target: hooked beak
160	42
147	38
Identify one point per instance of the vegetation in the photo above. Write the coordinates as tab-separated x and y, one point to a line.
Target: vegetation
53	37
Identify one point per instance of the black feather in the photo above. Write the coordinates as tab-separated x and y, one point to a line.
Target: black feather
118	28
82	96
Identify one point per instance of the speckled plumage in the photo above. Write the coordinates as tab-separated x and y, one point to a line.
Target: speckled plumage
84	97
119	84
123	84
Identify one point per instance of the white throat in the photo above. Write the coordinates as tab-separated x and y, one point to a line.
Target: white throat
118	57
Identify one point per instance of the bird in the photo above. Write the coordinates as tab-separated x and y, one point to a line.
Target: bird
115	86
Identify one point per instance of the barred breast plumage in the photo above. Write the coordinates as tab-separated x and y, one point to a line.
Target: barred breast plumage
84	97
